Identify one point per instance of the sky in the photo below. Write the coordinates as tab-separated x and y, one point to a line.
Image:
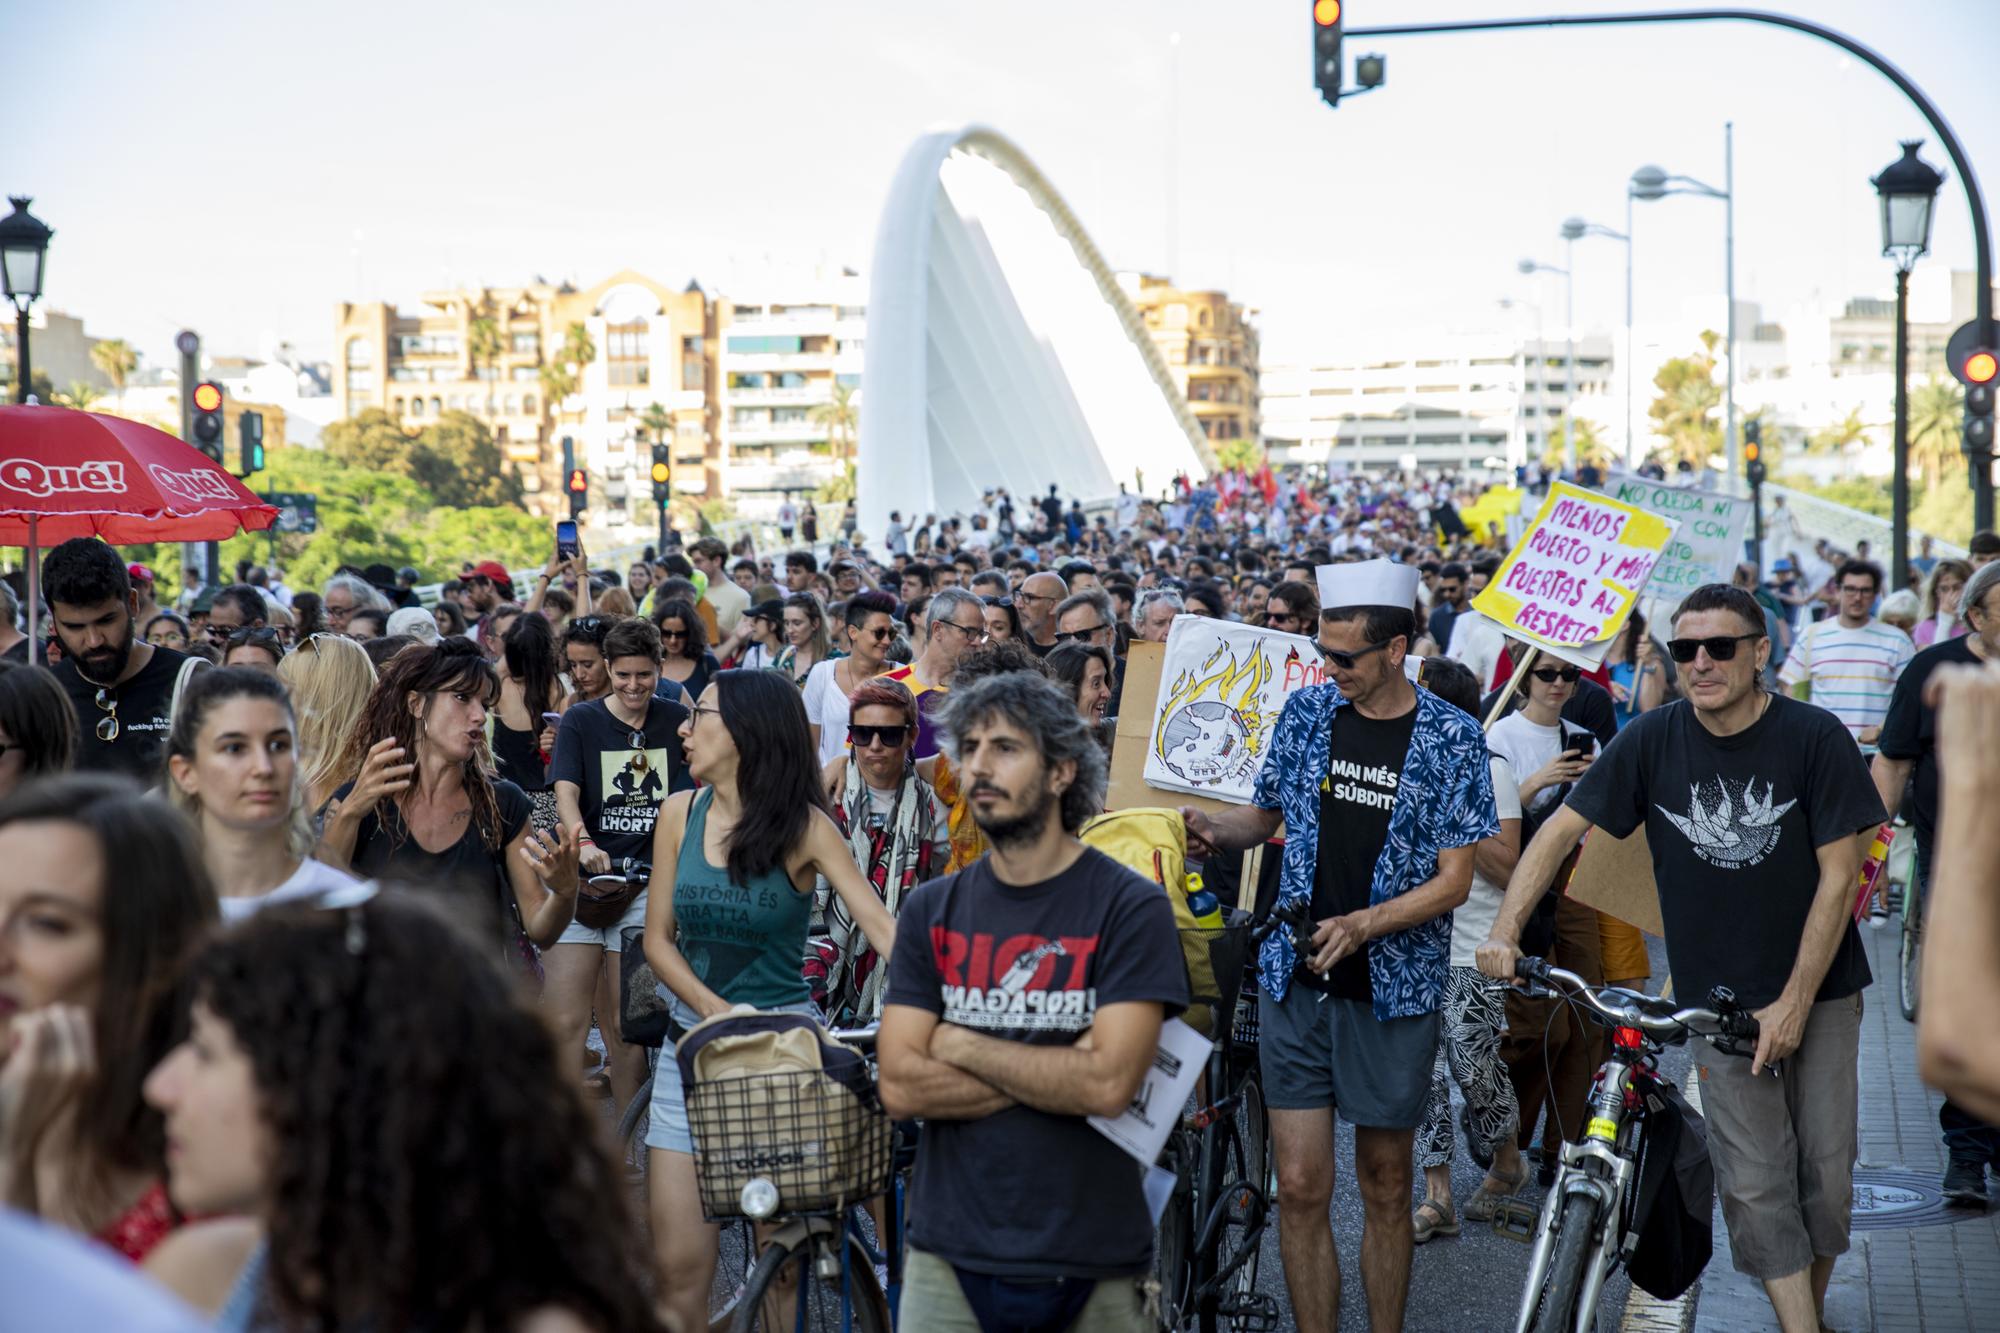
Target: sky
240	168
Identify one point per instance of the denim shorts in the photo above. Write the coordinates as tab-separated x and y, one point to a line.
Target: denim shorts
1317	1050
667	1121
609	937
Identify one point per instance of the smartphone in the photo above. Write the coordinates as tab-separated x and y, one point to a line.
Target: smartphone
566	546
551	719
1582	745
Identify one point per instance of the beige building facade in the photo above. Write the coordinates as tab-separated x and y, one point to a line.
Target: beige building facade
1211	348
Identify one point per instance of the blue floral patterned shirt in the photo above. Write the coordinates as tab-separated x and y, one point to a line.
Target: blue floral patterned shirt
1444	799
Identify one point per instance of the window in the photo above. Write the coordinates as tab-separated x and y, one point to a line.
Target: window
437	407
359	353
766	344
693	346
526	344
416	407
528	404
359	381
1203	319
408	374
694	375
428	344
398	407
625	354
791	379
357	403
524	375
788	416
850	381
511	405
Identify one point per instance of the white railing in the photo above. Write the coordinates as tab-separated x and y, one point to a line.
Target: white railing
1815	518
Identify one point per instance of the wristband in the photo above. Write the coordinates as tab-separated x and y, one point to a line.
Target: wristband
586	840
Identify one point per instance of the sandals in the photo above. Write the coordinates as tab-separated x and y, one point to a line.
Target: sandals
1485	1202
1433	1218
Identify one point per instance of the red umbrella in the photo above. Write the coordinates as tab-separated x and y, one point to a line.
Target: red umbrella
68	474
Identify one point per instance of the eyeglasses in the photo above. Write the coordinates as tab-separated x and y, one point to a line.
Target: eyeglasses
1273	617
263	636
1720	648
1073	635
673	634
891	738
1033	597
699	710
107	726
215	631
1550	675
972	633
880	633
1346	661
590	624
1857	589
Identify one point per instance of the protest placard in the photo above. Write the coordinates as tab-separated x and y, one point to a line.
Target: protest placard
1221	688
1573	578
1705	547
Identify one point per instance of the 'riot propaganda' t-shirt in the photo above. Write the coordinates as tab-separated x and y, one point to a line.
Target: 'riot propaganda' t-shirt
1007	1194
1364	766
1735	824
1910	731
620	785
143	707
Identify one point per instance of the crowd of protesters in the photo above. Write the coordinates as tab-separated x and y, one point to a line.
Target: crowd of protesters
311	900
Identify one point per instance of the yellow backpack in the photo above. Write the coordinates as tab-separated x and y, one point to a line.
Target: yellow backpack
1152	840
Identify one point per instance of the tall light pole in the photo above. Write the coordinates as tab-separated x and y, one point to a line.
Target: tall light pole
24	248
1650	183
1908	188
1529	268
1541	376
1574	229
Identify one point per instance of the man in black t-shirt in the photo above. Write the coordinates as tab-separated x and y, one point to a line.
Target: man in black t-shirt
121	686
1026	993
1908	752
1751	802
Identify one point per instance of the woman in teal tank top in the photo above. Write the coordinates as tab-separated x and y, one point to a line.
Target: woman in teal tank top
734	866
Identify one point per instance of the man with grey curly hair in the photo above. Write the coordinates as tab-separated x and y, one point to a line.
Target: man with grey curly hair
1026	994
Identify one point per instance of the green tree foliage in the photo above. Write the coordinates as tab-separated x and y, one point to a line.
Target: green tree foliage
842	419
454	458
1245	454
1683	414
81	395
115	357
1590	446
1937	425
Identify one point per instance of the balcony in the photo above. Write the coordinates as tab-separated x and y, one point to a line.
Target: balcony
819	393
776	432
772	361
788	472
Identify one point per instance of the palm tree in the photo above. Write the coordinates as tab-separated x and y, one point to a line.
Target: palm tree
80	395
1840	439
841	419
115	357
482	342
1937	413
657	422
1683	413
578	350
557	384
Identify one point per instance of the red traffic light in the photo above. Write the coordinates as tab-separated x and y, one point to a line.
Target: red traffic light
578	482
208	396
1981	367
1326	13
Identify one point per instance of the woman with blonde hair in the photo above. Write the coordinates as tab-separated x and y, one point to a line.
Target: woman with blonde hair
330	679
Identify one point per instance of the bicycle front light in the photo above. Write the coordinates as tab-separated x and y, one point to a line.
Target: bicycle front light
759	1198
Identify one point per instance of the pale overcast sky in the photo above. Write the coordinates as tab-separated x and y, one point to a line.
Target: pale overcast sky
239	168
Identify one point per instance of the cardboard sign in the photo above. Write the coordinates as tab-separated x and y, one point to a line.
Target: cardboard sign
1705	547
1615	875
1572	580
1222	686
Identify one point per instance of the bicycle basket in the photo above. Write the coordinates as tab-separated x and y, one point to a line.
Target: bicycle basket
821	1143
643	1017
1246	1030
1215	960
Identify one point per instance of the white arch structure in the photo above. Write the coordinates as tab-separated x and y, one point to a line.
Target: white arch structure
1001	349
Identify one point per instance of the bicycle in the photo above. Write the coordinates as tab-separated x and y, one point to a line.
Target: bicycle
1587	1221
1910	944
1212	1228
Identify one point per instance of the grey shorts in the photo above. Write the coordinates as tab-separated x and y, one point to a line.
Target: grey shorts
1317	1051
1784	1147
610	938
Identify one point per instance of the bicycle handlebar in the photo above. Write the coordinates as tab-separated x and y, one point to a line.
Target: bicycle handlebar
1724	1024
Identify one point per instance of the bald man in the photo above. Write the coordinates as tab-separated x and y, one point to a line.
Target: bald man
1036	600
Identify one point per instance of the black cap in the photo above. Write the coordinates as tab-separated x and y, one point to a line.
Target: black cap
773	611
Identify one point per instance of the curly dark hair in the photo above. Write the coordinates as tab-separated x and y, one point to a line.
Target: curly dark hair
427	669
411	1192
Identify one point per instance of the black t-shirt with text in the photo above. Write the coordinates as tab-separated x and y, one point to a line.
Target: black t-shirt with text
1735	824
144	712
1910	730
620	786
1023	1192
1356	795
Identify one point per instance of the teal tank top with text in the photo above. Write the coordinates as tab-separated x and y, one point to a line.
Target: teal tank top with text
746	942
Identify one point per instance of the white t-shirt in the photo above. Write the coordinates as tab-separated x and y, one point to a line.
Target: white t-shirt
1472	920
1476	641
1852	671
311	879
756	658
1528	747
729	603
826	708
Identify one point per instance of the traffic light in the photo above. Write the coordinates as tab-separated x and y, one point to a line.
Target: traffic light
1979	370
663	476
250	435
1753	452
578	487
206	425
1327	16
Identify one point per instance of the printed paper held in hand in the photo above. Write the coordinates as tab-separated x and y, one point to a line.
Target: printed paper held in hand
1143	1127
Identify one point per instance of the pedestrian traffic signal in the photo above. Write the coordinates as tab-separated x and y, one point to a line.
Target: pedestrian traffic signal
250	435
1979	413
579	490
1327	15
206	425
1753	451
663	476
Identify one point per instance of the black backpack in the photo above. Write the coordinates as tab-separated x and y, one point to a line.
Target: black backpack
1676	1199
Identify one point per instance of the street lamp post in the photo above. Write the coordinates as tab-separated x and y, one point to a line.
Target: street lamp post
1650	183
24	248
1529	268
1908	189
1574	229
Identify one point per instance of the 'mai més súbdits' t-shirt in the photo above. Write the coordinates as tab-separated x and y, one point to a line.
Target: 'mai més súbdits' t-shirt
1735	824
1356	795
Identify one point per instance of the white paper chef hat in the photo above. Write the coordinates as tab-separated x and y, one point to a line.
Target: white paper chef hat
1367	583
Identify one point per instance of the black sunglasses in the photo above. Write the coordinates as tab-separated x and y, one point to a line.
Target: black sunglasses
1346	661
1077	635
890	737
1720	648
1550	675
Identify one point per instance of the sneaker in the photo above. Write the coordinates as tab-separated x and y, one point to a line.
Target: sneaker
1878	915
1965	1183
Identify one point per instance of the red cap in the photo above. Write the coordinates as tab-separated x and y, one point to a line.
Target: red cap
494	570
140	574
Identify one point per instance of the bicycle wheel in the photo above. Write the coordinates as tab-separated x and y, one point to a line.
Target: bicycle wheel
1910	956
735	1257
1556	1310
1174	1250
632	1129
1253	1139
785	1293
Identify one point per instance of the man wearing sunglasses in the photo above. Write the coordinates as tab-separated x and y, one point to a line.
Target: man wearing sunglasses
121	686
1384	790
869	628
1849	662
1750	801
957	621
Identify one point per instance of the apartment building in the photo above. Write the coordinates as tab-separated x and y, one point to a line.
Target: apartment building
1211	349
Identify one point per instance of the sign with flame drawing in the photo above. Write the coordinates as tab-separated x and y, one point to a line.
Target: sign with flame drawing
1222	686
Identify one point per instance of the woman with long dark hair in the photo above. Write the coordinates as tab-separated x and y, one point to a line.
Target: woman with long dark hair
37	726
424	808
734	867
370	1187
104	896
1003	622
530	689
685	661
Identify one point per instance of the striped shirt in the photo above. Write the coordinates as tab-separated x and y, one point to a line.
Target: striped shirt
1852	672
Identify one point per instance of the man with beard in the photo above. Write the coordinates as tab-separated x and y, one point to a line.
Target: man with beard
121	686
1026	994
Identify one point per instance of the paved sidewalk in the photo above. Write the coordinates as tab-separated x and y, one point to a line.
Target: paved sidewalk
1940	1275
